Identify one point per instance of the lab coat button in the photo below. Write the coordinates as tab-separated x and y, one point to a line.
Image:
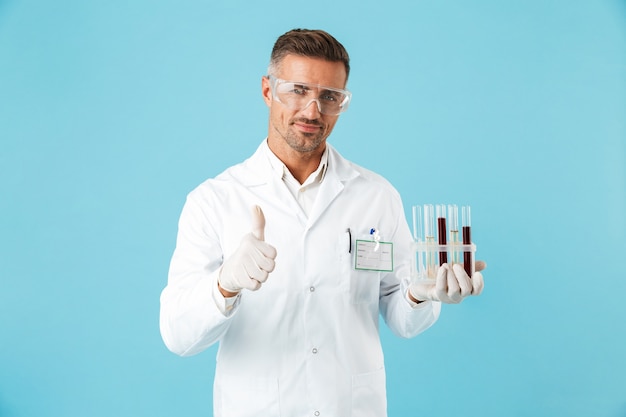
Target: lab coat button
317	413
314	350
312	289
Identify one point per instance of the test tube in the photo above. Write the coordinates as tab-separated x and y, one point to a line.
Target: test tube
453	224
466	223
417	223
441	233
429	236
418	235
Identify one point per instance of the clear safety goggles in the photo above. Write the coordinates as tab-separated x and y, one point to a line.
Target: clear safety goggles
298	96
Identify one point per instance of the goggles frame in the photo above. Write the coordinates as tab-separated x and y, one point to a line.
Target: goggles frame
322	104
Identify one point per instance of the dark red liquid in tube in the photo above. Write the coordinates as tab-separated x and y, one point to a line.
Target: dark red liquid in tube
467	255
441	233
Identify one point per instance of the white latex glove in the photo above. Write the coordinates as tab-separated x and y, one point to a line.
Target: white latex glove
451	286
252	262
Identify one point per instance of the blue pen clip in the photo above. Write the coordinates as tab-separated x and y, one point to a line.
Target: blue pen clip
376	235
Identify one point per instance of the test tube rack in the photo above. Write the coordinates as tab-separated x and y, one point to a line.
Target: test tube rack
436	245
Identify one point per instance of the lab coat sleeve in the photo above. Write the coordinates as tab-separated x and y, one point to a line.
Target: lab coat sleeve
404	319
190	319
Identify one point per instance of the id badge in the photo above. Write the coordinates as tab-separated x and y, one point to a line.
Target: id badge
372	255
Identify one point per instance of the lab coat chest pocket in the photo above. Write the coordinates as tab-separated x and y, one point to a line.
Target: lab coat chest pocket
360	286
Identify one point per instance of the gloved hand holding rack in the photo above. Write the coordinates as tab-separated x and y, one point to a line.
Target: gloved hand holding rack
444	268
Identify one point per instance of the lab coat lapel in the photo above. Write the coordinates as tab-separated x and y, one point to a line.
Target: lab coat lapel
329	190
257	174
338	173
289	204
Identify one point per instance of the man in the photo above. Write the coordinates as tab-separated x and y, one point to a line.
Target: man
265	259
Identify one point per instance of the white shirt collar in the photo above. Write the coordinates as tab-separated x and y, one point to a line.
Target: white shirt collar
281	170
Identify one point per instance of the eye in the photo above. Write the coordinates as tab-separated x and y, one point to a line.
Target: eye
331	96
299	90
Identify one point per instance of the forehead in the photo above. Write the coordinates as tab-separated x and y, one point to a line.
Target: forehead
313	71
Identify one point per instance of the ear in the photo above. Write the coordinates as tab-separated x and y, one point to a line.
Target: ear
266	91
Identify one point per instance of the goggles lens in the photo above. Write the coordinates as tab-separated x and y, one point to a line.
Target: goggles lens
298	96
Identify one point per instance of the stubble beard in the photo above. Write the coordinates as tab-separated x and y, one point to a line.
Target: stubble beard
302	142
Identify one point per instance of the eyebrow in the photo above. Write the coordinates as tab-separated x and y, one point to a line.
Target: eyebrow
321	87
302	85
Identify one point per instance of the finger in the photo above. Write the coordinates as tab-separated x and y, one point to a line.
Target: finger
258	274
258	247
263	261
454	290
267	264
480	265
266	250
263	254
478	284
251	284
254	273
423	290
463	279
441	283
258	223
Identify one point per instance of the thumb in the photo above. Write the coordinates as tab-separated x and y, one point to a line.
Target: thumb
258	223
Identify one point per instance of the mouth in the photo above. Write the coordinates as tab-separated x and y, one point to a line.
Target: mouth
307	126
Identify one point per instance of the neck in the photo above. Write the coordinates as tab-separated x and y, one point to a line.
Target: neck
300	164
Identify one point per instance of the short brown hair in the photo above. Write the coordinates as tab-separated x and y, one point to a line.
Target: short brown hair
308	43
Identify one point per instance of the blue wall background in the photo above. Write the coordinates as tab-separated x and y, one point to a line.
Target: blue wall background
111	112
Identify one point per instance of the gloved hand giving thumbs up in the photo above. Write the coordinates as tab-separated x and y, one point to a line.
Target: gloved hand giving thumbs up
252	262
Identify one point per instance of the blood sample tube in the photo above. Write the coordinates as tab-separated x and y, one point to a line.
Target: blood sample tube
466	223
442	233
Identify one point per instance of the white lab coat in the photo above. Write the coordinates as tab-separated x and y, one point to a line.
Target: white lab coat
307	342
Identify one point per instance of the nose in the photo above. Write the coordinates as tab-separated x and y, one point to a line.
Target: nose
312	112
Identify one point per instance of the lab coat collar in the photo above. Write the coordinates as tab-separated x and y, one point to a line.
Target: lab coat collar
262	170
258	171
281	171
